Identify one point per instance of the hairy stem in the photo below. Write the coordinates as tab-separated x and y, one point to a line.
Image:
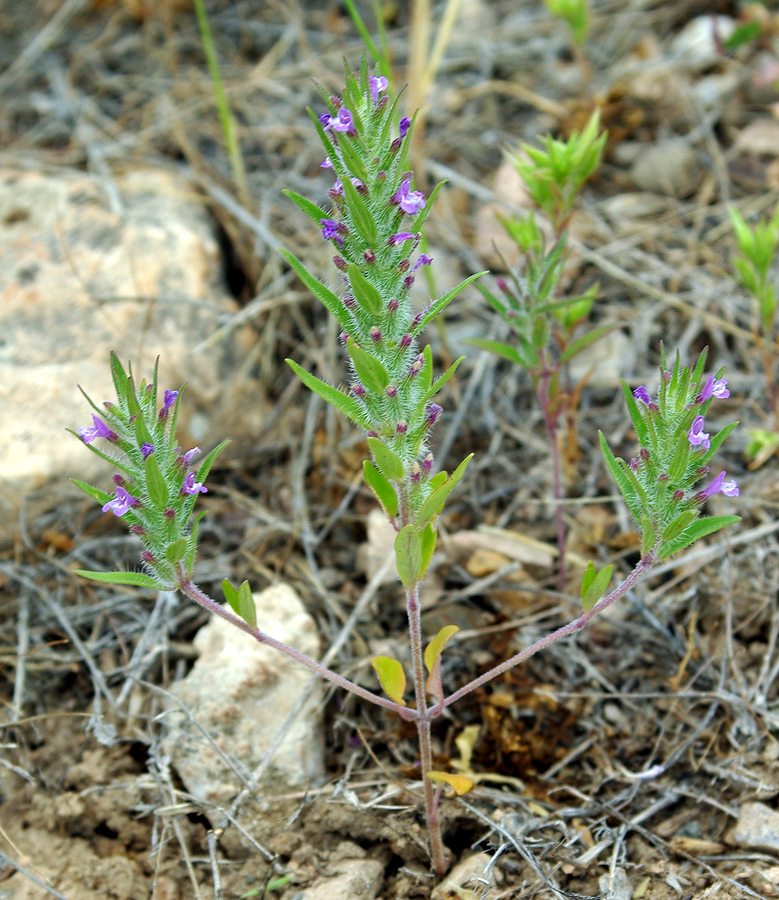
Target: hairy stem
192	591
550	420
437	854
641	569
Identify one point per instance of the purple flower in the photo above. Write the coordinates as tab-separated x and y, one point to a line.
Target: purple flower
98	429
642	394
424	260
401	236
696	435
713	388
411	202
186	458
719	486
121	503
191	486
168	399
405	124
432	414
332	230
146	450
326	164
378	84
342	122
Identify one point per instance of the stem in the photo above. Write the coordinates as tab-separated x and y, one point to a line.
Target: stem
437	854
550	419
642	567
202	599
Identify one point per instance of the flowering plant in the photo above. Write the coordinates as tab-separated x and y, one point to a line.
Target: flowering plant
374	226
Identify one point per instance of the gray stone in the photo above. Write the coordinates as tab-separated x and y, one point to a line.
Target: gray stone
670	167
136	269
355	879
237	697
757	828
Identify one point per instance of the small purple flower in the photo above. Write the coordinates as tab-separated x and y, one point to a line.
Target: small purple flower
98	429
401	427
332	230
405	124
424	260
168	399
121	503
342	122
186	458
427	464
642	394
719	486
714	387
697	436
401	236
378	84
191	486
326	164
146	450
432	414
411	202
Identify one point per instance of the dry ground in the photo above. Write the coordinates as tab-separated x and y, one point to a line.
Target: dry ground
683	677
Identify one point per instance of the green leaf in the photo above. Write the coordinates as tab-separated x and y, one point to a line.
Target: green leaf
175	551
360	214
439	305
422	215
597	582
697	530
205	467
386	459
119	377
408	555
95	493
370	370
620	476
342	402
364	292
134	579
427	540
636	417
307	206
435	647
499	348
391	676
437	498
679	524
443	379
155	483
191	554
241	601
586	340
384	491
717	441
326	297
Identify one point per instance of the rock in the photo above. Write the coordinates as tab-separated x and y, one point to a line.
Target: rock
240	693
668	167
357	879
757	828
467	879
85	270
616	887
372	555
696	45
604	362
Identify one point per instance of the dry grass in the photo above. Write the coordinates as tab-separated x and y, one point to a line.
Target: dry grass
637	742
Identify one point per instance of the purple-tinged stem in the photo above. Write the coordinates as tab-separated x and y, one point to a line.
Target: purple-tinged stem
202	599
550	419
437	854
641	568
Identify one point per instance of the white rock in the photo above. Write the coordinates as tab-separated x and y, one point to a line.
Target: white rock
669	167
696	44
757	828
467	879
604	362
372	555
241	693
82	273
355	879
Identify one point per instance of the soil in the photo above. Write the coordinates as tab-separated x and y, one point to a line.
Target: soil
615	764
